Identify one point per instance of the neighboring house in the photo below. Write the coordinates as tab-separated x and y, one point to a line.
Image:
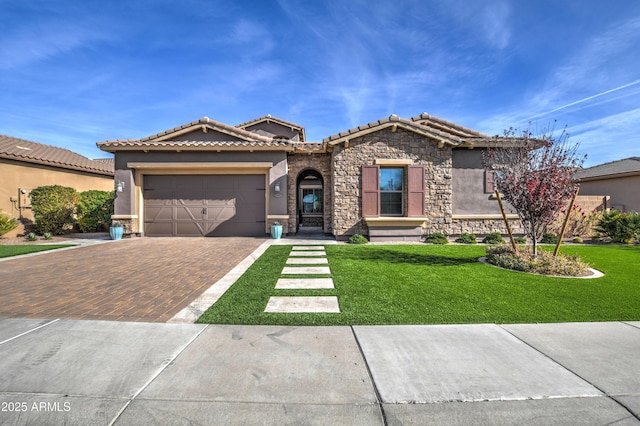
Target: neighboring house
392	179
620	180
25	165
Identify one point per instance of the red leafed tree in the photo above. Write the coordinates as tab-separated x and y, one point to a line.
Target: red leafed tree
536	175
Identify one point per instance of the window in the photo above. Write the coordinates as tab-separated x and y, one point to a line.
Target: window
312	200
386	191
391	191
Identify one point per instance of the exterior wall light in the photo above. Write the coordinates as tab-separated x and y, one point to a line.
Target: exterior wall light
120	186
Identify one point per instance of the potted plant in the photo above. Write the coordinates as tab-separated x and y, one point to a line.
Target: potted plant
116	230
276	230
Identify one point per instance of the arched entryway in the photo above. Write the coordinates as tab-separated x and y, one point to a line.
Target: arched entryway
310	201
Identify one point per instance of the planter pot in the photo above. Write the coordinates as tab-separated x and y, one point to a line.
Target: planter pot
116	232
276	232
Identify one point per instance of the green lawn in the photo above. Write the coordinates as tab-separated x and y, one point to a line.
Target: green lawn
16	250
429	284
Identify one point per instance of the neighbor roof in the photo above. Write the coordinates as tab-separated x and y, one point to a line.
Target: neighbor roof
32	152
625	167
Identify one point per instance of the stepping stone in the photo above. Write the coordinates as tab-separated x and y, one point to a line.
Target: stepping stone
303	304
306	270
307	253
304	283
307	261
307	248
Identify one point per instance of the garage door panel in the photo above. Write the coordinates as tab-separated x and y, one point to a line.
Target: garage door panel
210	205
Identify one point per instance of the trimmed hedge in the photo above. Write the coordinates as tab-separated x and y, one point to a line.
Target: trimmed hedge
54	208
94	210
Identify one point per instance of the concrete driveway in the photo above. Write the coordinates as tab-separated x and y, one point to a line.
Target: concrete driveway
140	279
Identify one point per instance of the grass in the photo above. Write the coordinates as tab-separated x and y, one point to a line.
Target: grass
426	284
17	250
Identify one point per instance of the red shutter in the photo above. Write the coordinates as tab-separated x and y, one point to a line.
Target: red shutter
370	191
489	186
415	182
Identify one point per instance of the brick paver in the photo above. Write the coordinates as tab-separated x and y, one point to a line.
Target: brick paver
139	279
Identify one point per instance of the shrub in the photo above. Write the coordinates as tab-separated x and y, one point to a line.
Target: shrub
31	236
467	238
578	240
520	240
437	238
7	223
544	263
95	209
47	236
493	238
358	239
54	208
549	238
620	227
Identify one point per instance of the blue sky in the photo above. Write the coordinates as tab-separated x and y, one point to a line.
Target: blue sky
73	73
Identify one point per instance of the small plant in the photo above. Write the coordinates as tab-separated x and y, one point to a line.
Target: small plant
31	236
520	240
467	238
620	227
437	238
116	224
493	238
358	239
549	238
544	263
578	240
7	223
47	236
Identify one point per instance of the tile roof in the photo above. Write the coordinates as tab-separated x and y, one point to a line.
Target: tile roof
626	166
163	140
447	126
32	152
454	138
270	118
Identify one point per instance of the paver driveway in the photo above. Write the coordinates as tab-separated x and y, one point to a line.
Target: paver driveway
139	279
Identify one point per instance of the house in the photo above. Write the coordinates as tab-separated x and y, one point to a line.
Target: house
392	179
25	165
620	180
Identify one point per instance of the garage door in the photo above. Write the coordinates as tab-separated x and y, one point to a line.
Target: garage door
204	205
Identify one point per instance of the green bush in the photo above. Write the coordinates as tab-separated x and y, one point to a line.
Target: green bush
467	238
95	209
493	238
549	238
54	208
520	240
47	236
358	239
437	238
31	236
620	227
7	223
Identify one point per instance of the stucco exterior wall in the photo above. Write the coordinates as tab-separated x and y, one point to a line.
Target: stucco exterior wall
129	203
16	175
347	164
624	191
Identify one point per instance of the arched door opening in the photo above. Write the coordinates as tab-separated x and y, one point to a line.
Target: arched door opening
310	202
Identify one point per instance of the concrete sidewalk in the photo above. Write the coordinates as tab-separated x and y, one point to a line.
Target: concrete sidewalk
95	372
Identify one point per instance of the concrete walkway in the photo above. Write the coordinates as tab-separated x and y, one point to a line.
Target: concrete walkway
128	373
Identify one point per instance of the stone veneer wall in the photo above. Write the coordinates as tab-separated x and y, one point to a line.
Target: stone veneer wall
297	163
347	180
485	226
